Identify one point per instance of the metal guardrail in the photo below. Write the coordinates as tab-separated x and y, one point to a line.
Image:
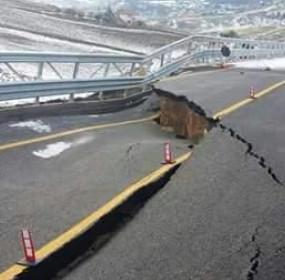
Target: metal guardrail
31	74
67	58
21	90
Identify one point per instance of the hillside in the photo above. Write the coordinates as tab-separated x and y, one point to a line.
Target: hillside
29	25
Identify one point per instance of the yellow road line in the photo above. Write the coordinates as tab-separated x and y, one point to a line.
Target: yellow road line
236	106
90	220
71	132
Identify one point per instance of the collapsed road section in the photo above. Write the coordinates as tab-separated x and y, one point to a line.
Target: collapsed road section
189	120
220	207
219	217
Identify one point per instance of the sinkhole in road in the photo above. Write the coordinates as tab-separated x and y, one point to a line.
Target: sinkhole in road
189	120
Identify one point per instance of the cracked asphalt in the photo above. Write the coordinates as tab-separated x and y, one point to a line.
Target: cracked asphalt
262	124
201	225
48	196
222	215
215	90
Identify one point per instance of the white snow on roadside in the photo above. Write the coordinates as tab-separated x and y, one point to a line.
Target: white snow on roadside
55	149
44	99
52	150
37	126
54	97
273	64
12	103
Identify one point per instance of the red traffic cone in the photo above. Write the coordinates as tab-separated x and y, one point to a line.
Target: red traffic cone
167	154
252	92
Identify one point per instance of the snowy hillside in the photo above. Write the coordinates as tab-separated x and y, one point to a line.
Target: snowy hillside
30	25
76	3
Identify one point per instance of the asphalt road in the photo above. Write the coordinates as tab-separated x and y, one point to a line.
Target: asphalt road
262	124
199	227
49	195
55	124
216	90
222	215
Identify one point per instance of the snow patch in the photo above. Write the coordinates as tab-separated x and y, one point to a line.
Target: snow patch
62	97
52	150
43	99
75	3
37	126
19	102
273	64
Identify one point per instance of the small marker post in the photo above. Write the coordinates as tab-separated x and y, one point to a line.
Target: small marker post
28	247
252	93
167	154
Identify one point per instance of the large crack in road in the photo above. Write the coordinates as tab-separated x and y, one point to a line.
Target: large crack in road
94	248
212	123
221	207
255	259
250	151
261	161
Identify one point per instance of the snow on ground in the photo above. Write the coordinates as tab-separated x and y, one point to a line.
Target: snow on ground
20	40
76	3
19	102
45	99
273	64
37	126
55	149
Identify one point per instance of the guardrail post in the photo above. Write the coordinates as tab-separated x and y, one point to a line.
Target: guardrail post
101	95
162	60
71	97
37	100
75	70
132	69
125	94
40	70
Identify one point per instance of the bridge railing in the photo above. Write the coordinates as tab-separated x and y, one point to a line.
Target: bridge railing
32	74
